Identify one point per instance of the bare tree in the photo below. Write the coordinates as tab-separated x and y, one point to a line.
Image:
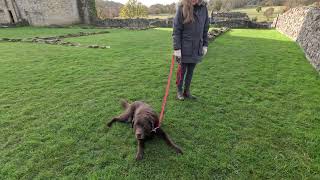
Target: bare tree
108	9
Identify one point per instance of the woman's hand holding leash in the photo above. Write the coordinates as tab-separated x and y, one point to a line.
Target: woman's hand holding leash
204	50
177	54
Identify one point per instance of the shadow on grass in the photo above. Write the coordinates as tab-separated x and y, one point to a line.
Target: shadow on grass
257	110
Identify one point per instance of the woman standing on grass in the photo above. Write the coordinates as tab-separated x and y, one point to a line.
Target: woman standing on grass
190	41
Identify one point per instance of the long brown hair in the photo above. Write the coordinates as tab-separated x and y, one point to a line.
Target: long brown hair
187	11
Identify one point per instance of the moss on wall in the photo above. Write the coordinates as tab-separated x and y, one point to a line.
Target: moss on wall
92	9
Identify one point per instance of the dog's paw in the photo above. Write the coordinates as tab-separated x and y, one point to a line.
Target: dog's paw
109	124
139	157
179	151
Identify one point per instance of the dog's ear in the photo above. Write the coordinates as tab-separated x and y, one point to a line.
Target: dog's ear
124	104
151	124
132	123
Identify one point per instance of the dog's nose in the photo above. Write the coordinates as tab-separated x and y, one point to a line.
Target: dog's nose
139	136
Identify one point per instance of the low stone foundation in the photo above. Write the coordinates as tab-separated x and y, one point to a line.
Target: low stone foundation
58	40
124	23
216	32
139	24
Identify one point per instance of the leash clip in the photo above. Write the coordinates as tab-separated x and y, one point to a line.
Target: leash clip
155	129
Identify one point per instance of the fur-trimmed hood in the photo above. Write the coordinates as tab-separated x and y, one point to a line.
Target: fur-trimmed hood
202	3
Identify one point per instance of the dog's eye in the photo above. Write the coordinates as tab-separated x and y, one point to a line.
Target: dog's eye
147	126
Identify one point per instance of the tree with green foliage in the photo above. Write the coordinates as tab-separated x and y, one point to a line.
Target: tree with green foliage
133	9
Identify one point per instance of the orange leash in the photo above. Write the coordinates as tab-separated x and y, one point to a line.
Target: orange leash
164	102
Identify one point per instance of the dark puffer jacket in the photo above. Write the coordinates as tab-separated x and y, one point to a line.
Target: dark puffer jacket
191	37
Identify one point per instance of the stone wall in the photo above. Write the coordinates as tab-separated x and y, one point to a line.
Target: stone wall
5	10
47	12
303	25
4	17
168	23
238	23
235	20
162	22
218	16
135	23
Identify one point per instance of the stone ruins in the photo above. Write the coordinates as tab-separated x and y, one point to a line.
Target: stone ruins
302	25
46	12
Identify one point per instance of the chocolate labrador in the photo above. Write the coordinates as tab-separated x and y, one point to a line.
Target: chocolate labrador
144	121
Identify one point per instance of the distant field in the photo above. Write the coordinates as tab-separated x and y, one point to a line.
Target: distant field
253	13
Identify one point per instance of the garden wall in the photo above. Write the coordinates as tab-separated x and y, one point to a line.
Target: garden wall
47	12
303	25
235	20
135	23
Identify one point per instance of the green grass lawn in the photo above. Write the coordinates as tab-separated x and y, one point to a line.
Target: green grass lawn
257	117
252	13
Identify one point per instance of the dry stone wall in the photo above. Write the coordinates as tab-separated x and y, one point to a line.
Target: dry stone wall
303	25
235	20
135	23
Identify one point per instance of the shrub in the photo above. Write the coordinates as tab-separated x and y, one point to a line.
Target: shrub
254	19
259	9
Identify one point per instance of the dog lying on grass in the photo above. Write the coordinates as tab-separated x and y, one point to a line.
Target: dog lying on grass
143	120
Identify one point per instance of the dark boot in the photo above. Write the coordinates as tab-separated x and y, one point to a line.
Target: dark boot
180	96
188	95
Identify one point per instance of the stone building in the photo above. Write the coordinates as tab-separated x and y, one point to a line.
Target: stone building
47	12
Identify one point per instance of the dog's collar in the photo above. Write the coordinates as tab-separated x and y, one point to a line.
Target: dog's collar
156	126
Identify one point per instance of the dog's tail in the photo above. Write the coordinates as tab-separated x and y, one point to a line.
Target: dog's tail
124	104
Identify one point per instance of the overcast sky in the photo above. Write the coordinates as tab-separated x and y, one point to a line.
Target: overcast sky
150	2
